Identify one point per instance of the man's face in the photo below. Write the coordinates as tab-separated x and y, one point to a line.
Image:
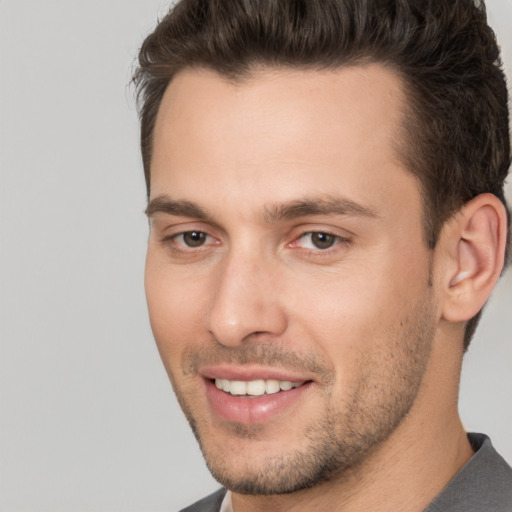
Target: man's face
287	253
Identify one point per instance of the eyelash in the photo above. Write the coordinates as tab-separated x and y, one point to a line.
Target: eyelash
182	247
337	241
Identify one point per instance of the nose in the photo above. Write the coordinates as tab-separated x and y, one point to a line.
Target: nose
246	302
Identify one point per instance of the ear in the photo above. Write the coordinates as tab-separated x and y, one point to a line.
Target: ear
474	246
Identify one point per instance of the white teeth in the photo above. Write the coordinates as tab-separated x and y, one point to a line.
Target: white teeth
222	384
272	386
255	387
285	385
238	387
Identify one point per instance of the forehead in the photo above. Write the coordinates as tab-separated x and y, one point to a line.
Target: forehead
281	132
271	98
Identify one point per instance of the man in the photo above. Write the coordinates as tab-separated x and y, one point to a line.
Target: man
325	185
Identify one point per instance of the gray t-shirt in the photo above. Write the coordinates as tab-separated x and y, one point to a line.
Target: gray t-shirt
484	484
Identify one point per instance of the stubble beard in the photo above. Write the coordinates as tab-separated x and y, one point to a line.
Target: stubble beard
342	439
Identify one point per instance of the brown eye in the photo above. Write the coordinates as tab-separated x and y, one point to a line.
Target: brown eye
323	240
194	238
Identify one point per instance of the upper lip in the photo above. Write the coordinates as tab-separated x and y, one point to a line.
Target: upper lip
251	372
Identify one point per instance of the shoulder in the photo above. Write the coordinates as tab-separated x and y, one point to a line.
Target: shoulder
211	503
484	484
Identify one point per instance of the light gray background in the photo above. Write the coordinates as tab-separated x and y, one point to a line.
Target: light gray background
87	417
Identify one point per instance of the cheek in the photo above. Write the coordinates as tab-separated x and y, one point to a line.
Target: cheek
359	311
352	301
176	309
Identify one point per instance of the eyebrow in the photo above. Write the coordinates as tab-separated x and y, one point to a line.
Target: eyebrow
280	211
164	204
330	205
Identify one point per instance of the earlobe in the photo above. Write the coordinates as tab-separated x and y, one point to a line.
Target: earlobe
476	239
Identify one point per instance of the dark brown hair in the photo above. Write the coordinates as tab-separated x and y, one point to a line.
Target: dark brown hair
456	138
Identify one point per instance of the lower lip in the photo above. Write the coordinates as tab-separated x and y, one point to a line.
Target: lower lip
251	410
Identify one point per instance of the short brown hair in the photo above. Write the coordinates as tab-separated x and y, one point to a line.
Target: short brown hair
456	141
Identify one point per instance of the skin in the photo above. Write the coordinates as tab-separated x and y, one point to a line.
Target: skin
374	322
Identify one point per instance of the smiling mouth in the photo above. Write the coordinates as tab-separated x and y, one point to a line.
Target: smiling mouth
254	388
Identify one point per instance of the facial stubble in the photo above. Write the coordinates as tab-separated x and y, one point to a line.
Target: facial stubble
346	434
